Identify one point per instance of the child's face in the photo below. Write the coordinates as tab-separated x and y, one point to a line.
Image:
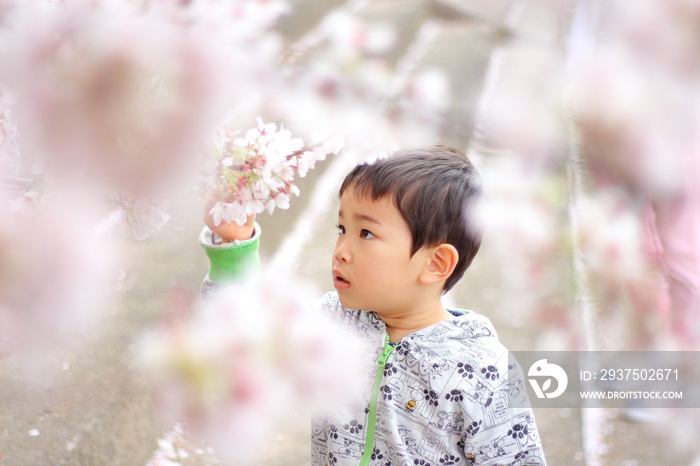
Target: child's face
373	269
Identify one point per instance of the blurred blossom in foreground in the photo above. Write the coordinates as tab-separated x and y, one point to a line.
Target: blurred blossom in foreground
9	149
522	210
245	360
635	126
354	85
663	33
522	110
634	98
353	40
135	217
55	274
110	98
610	238
615	240
428	92
524	218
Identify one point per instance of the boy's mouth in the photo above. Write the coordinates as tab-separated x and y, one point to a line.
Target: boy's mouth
339	281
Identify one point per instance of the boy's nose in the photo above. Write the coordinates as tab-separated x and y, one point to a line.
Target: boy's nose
341	252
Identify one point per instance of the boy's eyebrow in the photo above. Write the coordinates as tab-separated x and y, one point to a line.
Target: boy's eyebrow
365	217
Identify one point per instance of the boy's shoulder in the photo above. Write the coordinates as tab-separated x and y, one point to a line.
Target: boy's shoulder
466	334
469	324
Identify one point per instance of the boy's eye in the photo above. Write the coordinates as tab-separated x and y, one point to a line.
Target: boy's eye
366	234
341	230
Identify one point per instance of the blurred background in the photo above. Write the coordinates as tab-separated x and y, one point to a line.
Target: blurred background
581	115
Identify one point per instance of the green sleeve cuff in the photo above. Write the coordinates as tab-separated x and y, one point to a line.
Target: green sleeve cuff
231	262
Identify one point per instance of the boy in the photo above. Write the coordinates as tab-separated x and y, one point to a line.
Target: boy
440	391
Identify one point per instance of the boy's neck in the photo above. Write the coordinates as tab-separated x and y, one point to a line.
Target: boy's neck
402	325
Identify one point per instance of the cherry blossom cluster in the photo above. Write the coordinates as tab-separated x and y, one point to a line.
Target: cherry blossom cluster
56	274
248	358
256	172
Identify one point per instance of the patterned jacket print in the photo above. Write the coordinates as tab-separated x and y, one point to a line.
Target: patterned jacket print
444	397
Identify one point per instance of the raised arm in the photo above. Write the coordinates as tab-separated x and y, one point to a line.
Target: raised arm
232	250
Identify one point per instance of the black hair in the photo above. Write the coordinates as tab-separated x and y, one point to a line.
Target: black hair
433	189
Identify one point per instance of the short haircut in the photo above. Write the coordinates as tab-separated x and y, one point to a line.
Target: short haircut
433	189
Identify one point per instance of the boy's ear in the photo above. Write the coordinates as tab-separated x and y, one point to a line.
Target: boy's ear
441	263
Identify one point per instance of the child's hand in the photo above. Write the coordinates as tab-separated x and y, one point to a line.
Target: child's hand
231	231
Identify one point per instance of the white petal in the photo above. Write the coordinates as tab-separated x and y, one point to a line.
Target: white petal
271	206
282	201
